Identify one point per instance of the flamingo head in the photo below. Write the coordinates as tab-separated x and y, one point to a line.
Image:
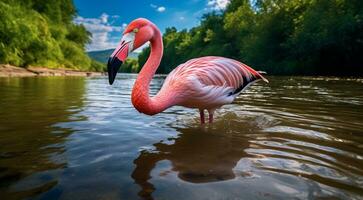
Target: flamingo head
137	33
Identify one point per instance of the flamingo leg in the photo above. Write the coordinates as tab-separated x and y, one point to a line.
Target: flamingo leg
202	119
210	119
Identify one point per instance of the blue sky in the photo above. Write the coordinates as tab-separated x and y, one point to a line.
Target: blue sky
106	19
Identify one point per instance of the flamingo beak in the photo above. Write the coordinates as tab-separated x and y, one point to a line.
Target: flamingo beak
113	65
116	59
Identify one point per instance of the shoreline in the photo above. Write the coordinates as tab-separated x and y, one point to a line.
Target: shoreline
7	70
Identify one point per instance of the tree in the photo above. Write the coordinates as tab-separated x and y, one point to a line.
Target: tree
308	37
38	32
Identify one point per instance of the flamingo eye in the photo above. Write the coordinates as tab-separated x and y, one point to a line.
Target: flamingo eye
135	30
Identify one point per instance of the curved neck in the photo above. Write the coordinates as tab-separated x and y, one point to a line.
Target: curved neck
140	93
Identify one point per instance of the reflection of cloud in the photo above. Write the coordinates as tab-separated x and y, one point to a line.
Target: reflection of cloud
218	4
101	31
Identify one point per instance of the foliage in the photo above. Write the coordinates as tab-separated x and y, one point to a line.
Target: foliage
309	37
130	66
38	32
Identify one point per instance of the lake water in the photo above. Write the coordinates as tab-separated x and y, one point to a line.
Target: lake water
79	138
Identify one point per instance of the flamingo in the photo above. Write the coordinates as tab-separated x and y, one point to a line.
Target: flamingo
205	83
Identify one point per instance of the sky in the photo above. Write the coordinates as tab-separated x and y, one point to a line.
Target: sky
106	19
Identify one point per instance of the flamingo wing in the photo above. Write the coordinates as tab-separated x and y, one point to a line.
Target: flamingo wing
209	82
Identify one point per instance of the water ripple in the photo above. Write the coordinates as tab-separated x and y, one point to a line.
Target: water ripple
297	137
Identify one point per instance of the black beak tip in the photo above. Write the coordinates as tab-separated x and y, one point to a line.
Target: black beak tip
113	66
111	81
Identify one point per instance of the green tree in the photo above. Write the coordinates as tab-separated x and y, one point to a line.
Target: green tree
42	33
309	37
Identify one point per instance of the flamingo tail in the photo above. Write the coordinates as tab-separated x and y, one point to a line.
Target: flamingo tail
257	74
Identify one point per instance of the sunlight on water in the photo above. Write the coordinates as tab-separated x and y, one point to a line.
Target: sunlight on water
79	138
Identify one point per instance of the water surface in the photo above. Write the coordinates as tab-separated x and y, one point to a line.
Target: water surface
79	138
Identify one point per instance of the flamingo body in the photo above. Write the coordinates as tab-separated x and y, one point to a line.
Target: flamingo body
208	82
205	83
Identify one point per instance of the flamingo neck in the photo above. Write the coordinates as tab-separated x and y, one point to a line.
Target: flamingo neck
140	93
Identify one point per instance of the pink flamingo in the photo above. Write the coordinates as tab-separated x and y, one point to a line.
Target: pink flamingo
205	83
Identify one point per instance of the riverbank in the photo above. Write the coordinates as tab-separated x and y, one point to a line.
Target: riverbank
12	71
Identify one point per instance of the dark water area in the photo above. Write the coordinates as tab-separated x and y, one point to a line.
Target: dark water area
79	138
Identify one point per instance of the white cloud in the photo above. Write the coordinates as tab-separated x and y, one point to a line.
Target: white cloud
124	25
100	41
161	9
218	4
101	32
158	8
104	18
182	18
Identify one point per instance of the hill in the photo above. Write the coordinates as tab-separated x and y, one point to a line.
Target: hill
103	55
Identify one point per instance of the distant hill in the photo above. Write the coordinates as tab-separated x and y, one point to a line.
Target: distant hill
103	55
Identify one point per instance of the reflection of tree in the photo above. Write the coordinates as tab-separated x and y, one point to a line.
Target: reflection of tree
198	156
29	141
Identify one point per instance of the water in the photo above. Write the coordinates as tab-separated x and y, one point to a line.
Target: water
79	138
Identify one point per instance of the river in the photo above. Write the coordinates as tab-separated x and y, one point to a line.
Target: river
80	138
